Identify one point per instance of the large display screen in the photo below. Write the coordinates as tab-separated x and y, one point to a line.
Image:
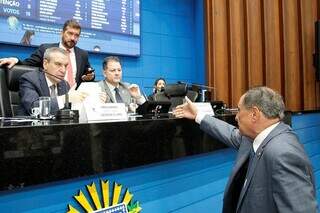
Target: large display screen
108	26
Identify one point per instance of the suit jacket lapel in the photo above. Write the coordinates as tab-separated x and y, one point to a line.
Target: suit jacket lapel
276	131
123	92
43	85
249	175
107	90
78	62
236	169
63	88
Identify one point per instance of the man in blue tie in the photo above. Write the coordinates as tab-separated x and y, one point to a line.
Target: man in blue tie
116	90
272	172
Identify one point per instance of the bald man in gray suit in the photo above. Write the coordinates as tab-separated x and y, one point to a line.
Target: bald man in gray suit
272	172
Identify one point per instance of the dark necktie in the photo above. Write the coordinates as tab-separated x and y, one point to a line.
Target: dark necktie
53	92
118	97
252	154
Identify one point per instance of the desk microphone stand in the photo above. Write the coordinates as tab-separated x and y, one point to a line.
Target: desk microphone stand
66	113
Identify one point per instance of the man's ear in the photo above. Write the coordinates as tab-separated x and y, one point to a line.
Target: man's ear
255	113
45	64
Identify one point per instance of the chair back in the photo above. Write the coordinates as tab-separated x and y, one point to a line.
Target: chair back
177	92
192	95
9	88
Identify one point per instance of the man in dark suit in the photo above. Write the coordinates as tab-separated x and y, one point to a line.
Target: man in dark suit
48	83
79	66
272	172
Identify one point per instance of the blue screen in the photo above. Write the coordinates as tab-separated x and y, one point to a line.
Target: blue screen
108	26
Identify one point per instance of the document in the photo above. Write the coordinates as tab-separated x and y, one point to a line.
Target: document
93	90
93	109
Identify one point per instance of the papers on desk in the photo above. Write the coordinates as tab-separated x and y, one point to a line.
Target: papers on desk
93	90
93	109
205	108
16	119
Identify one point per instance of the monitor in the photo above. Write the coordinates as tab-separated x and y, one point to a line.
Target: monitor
152	107
108	26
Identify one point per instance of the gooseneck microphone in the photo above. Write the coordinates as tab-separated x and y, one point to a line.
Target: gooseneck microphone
143	94
197	85
66	103
66	112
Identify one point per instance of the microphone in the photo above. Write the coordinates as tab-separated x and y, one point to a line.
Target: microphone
66	112
66	103
144	95
198	85
224	111
161	89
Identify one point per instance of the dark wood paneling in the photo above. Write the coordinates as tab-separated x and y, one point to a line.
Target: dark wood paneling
292	57
254	41
310	93
221	55
237	50
262	42
273	48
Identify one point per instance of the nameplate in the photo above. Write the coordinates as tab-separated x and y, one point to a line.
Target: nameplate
205	108
105	111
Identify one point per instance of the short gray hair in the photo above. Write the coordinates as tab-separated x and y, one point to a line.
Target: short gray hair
49	51
268	101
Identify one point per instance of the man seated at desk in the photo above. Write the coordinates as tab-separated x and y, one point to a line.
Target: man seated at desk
48	82
116	90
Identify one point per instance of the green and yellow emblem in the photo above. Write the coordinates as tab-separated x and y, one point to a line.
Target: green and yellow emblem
108	201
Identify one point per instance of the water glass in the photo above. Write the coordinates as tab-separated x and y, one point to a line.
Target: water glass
133	106
44	107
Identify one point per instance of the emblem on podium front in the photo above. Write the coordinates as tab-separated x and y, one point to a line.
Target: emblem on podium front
104	199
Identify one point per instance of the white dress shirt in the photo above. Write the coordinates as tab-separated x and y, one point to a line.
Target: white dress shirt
262	135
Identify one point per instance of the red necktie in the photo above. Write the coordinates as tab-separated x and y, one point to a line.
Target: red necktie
70	78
